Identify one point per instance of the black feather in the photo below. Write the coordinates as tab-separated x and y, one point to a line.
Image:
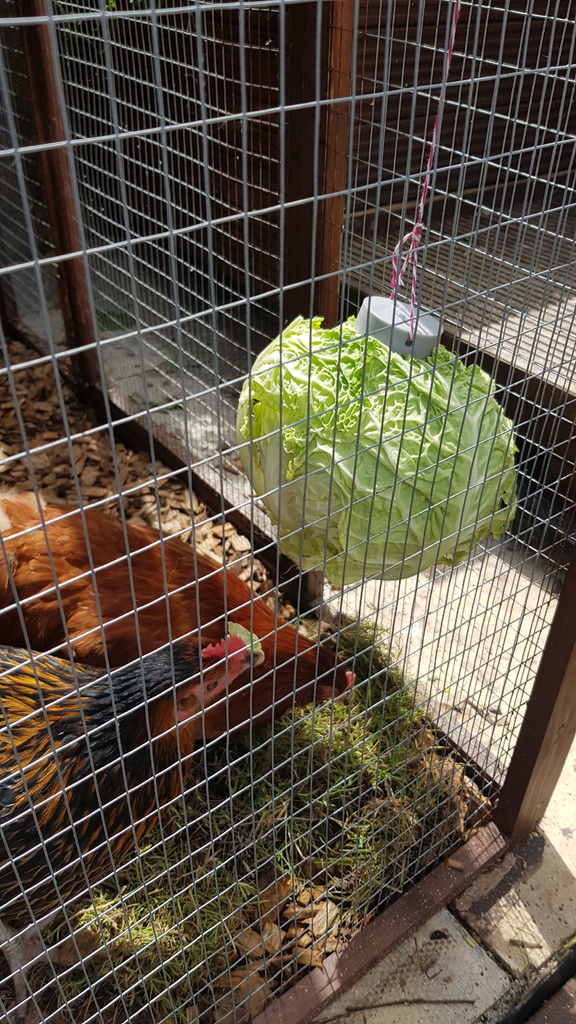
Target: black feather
82	776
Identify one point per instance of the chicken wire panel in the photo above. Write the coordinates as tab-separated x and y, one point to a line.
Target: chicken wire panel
497	265
172	190
273	848
499	234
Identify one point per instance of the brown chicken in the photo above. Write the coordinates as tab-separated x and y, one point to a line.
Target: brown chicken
87	763
173	589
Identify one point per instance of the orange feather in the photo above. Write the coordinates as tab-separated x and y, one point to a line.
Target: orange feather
161	590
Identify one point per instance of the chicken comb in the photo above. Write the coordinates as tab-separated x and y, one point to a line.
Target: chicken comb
235	644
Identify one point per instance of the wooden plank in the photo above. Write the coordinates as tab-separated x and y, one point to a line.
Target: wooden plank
41	61
243	153
414	59
339	971
336	143
548	728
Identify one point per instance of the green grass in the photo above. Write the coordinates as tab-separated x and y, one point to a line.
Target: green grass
347	797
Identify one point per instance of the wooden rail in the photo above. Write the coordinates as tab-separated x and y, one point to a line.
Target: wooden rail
548	728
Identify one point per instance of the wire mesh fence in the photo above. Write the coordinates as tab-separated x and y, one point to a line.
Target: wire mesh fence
188	823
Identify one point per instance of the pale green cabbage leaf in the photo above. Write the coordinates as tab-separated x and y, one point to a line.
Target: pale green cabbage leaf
371	463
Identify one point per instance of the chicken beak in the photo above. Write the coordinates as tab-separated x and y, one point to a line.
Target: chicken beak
254	658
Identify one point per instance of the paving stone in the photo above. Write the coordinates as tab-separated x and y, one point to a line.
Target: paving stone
559	822
524	908
439	975
561	1009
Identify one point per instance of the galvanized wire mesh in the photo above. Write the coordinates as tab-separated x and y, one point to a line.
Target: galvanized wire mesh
233	165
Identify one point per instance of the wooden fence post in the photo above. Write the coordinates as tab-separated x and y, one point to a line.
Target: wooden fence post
548	728
336	144
302	26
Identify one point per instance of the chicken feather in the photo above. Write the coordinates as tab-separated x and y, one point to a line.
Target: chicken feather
88	761
176	589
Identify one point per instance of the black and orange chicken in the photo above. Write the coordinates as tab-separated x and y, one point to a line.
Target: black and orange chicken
87	763
49	552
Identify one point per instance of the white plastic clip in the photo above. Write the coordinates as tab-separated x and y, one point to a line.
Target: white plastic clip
389	321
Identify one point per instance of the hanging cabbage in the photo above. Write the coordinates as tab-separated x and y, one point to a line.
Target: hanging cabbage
371	463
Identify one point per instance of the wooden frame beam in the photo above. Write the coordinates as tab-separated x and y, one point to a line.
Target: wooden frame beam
301	30
336	145
549	725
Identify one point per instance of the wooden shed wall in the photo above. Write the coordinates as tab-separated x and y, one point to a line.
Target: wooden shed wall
495	119
235	197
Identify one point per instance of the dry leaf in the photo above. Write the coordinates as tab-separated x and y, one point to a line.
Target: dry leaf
323	922
236	977
272	899
329	944
245	1000
273	937
304	897
310	958
248	940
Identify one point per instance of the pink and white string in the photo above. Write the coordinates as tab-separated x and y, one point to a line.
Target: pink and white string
412	239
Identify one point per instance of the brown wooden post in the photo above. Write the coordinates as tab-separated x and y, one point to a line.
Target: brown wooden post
548	728
336	143
41	64
301	34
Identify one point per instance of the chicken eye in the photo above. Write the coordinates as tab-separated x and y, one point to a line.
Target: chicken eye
212	684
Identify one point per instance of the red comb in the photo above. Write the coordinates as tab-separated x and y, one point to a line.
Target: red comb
235	643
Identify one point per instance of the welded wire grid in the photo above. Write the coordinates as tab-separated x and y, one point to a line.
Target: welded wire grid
169	177
498	266
180	127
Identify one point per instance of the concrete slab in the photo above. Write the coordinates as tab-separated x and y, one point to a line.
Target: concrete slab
525	907
439	975
559	823
561	1009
